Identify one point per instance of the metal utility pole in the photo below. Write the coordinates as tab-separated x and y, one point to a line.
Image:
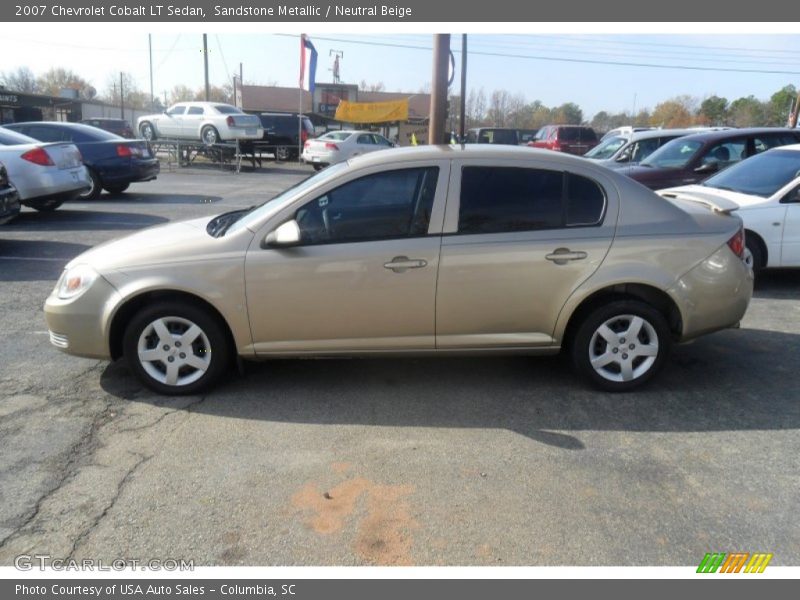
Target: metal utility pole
150	47
205	62
121	97
463	103
441	64
793	115
241	86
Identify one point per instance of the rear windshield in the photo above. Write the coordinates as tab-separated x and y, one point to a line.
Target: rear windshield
12	138
226	109
575	134
339	136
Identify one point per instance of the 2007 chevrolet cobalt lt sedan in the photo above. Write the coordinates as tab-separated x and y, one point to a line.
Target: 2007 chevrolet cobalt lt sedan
418	250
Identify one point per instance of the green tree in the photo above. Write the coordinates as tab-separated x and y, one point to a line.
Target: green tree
568	113
780	103
714	111
747	112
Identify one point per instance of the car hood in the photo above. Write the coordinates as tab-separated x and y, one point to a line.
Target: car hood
738	198
168	244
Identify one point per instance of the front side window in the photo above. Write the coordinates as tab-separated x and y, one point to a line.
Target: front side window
643	149
508	199
176	110
388	205
365	139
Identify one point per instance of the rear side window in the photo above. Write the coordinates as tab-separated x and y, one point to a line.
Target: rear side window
49	134
508	199
195	110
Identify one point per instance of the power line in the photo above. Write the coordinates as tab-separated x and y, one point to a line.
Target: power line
562	59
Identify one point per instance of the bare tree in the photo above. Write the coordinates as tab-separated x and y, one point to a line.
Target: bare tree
22	80
371	87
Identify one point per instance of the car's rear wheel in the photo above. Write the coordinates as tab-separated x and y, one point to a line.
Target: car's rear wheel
176	348
283	153
147	131
753	254
318	167
209	135
117	189
621	345
96	186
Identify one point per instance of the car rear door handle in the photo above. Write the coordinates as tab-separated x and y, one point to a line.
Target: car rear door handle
562	256
400	263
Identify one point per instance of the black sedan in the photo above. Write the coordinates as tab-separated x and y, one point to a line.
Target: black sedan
9	199
113	162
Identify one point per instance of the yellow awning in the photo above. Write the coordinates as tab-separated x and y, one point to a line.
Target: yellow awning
372	112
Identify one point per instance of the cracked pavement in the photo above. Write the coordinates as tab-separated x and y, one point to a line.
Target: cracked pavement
488	461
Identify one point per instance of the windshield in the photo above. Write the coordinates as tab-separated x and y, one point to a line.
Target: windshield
673	155
276	203
606	148
761	175
227	109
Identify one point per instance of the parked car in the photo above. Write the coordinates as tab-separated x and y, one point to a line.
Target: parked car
119	126
428	250
630	149
572	139
766	190
9	199
207	122
625	130
527	135
284	133
113	162
692	158
45	174
337	146
492	135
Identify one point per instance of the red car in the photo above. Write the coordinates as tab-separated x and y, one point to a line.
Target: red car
572	139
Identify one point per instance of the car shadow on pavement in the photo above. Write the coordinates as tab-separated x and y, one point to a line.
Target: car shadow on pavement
731	381
150	198
777	284
81	220
35	260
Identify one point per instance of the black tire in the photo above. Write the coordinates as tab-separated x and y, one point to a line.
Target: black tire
97	186
757	259
147	131
283	153
117	189
318	167
652	342
209	135
45	205
211	347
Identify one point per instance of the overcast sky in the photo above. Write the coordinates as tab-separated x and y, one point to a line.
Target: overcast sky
552	68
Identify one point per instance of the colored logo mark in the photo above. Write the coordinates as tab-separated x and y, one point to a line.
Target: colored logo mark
734	562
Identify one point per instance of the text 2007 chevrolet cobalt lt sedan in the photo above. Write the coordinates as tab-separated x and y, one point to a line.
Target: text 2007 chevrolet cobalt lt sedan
418	250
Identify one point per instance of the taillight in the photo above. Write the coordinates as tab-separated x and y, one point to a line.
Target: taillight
307	145
229	121
303	135
331	146
3	176
38	156
736	243
124	151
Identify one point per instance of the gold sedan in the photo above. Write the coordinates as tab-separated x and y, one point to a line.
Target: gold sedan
427	250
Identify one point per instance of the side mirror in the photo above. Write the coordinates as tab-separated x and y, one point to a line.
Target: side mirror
710	167
283	236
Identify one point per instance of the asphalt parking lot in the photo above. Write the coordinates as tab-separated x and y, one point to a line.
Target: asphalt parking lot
448	461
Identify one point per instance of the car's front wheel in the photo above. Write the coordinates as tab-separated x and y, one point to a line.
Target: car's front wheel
147	131
48	205
176	348
117	189
621	345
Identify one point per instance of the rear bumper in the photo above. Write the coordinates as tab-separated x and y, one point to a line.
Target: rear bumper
714	295
55	182
130	171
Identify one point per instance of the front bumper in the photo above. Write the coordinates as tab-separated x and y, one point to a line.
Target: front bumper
80	326
713	295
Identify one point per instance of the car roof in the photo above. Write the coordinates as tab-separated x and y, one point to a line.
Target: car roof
655	133
727	134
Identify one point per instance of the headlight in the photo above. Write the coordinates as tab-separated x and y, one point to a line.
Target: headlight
75	281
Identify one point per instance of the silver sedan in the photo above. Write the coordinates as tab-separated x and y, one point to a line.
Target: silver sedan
45	174
338	146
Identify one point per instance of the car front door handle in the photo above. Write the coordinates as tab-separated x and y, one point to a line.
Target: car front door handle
400	263
562	256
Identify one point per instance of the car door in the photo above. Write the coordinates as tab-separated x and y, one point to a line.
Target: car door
518	239
170	123
191	121
363	276
790	254
364	144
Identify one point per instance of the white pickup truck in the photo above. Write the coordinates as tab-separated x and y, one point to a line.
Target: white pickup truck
208	122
